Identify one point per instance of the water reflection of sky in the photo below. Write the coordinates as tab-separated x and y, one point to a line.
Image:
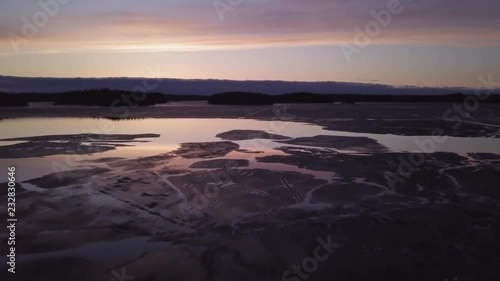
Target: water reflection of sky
176	131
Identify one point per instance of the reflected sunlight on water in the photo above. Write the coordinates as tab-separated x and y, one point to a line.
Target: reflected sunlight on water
174	131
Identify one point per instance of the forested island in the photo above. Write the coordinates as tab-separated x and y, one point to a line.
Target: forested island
110	97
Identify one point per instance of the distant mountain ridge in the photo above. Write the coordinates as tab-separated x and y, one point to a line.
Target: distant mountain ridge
208	87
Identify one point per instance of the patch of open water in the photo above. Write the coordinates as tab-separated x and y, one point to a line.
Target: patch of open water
175	131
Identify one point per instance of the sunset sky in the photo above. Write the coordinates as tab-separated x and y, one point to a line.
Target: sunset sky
427	43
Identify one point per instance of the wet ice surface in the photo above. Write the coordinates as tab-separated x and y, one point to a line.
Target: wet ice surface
130	248
173	132
188	205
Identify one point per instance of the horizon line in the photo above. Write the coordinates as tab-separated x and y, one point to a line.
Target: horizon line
248	80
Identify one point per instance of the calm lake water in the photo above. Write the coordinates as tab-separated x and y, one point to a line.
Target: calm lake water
174	131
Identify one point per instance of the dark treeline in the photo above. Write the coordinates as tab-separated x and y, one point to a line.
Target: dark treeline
241	98
94	97
12	100
185	98
245	98
107	97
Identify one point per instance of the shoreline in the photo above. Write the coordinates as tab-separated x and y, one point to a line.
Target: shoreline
387	118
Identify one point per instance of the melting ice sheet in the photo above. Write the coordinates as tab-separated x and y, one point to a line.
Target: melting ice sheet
175	131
